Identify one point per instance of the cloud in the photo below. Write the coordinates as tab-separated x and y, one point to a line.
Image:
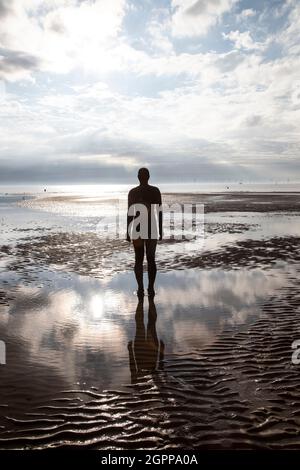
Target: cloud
288	37
111	169
243	40
245	14
254	120
158	29
64	34
16	64
195	18
5	7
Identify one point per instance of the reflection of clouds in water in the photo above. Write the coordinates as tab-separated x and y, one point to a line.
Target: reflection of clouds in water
192	334
80	326
63	329
193	306
217	288
239	317
221	298
199	304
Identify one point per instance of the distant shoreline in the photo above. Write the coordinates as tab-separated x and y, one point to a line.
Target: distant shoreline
98	190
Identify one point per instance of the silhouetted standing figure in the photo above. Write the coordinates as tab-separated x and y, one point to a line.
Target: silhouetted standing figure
150	198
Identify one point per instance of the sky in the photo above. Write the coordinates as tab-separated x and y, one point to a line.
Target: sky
197	90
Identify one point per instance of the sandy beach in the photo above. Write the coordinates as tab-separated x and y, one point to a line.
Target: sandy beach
78	342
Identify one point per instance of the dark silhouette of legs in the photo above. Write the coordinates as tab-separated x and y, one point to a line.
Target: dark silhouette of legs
138	266
150	254
139	251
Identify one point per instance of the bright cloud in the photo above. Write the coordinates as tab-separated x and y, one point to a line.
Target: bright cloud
62	34
195	17
244	40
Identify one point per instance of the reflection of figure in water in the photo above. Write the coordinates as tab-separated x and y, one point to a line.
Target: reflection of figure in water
146	352
148	229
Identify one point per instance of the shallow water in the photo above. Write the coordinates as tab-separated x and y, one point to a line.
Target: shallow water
79	328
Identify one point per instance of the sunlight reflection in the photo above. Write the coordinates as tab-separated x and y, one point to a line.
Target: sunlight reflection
97	307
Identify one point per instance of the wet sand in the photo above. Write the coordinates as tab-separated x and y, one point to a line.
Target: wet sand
222	327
